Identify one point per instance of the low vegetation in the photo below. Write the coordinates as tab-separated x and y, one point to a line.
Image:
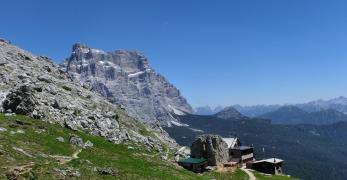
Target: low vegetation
31	149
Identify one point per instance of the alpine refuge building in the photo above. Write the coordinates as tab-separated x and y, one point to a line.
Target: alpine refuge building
197	165
213	150
237	152
241	154
219	151
268	166
232	142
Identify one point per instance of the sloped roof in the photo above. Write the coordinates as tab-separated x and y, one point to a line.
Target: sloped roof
271	160
184	149
232	142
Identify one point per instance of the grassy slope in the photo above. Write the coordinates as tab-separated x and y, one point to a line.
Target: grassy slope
39	140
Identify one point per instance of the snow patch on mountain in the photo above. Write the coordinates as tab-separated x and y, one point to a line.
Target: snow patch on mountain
136	74
97	51
178	124
176	111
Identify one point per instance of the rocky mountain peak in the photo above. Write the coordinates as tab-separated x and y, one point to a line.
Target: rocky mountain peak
126	78
83	49
339	100
79	46
229	113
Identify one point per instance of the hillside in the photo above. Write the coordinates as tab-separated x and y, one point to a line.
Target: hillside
309	151
286	115
35	149
34	86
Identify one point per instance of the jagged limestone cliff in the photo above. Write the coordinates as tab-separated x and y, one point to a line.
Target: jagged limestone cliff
126	78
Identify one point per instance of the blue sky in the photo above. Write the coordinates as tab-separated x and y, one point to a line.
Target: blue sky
215	52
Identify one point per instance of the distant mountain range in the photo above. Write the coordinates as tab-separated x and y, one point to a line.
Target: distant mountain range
295	115
256	110
338	104
314	112
207	110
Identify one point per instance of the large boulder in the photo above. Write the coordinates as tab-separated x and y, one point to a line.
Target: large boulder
76	140
21	100
211	147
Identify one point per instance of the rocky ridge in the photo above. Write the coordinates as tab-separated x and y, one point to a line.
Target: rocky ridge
34	86
126	78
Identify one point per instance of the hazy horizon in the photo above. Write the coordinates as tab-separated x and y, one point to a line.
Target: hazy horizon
223	53
282	104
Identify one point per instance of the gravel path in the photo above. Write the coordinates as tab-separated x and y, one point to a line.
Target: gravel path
249	173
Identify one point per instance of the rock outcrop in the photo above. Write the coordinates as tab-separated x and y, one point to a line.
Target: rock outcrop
126	78
211	147
34	86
